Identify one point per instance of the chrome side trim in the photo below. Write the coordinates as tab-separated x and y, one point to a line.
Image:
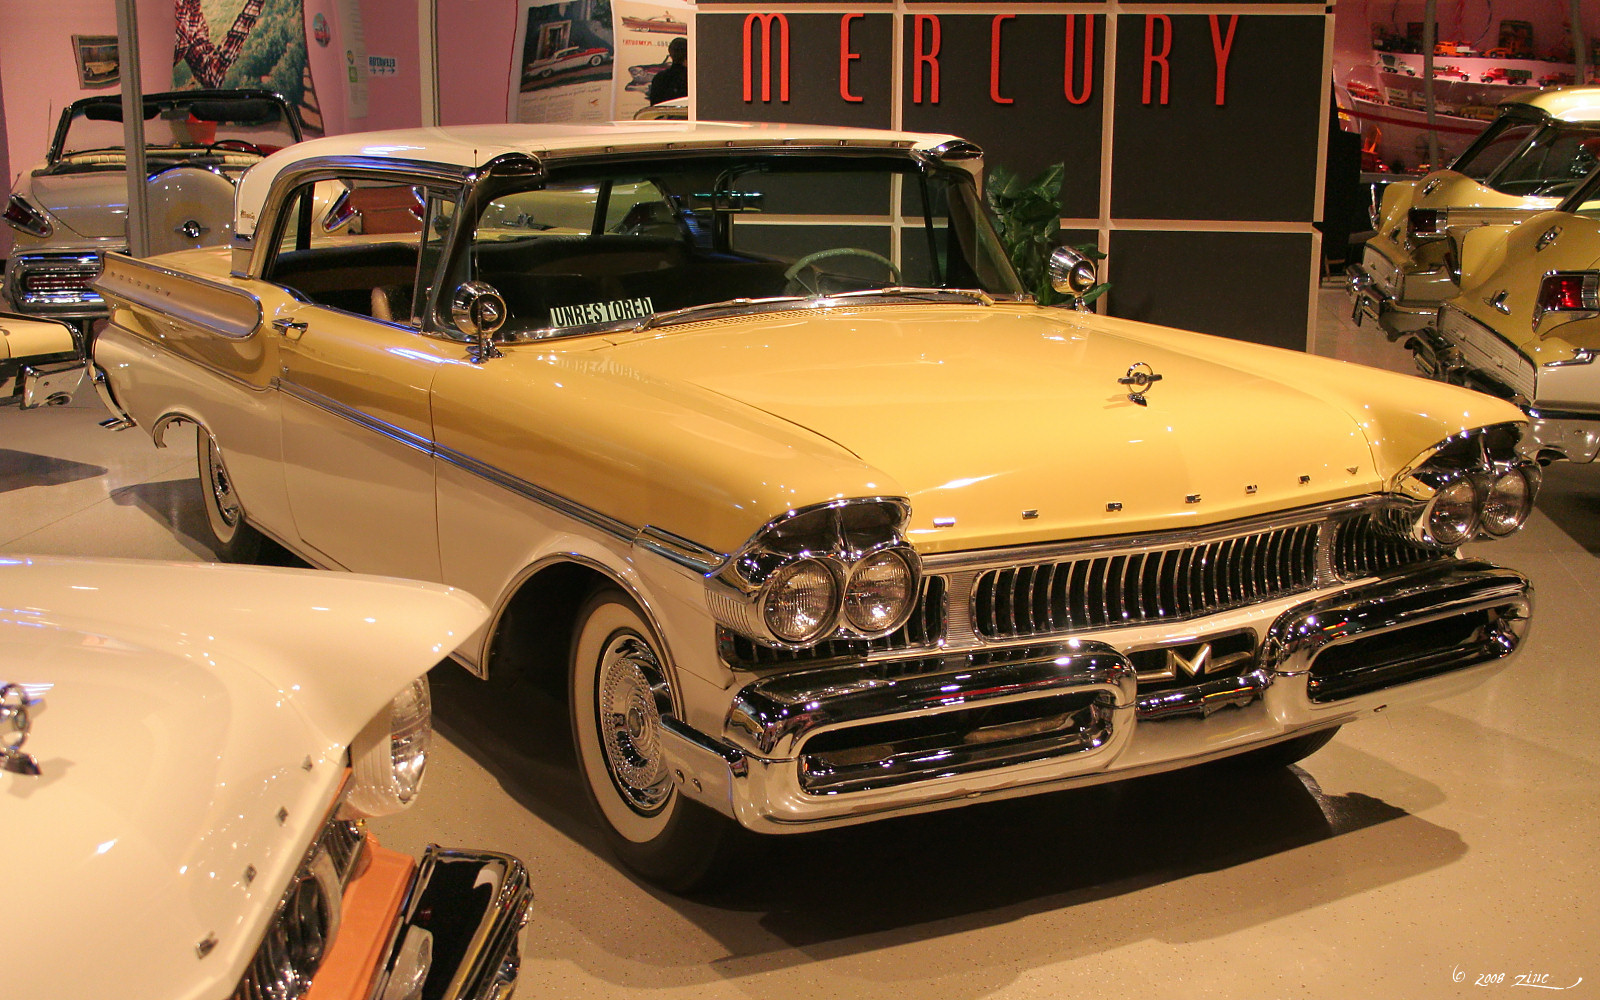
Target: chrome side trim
223	309
120	420
679	550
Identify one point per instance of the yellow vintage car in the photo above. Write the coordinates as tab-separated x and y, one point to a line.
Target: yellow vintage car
1533	155
756	448
1526	326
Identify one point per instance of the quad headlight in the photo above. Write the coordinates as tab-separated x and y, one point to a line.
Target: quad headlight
389	756
1473	486
842	569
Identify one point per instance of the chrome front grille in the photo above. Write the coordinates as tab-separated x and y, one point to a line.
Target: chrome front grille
1127	588
971	599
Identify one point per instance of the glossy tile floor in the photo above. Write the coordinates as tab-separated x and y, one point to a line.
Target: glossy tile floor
1416	853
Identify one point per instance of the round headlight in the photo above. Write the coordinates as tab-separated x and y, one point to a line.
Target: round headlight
1453	514
801	602
388	758
1507	504
880	592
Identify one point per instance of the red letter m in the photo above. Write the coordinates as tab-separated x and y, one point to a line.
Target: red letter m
766	56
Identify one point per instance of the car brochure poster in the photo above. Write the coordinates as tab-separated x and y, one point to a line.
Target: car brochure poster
589	60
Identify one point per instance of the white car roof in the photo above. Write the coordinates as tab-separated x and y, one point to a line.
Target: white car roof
469	146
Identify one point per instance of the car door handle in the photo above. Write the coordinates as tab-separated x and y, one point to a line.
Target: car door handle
292	329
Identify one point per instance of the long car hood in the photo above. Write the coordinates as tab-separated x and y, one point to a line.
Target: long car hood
92	204
183	707
1007	424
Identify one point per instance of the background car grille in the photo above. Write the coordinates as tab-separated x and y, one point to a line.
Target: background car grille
307	917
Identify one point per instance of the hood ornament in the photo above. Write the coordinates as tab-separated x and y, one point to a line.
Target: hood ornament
14	709
1431	186
1139	379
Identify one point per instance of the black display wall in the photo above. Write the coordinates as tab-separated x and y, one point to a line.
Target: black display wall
1193	134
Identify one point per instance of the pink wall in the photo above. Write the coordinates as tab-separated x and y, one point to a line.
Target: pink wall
475	39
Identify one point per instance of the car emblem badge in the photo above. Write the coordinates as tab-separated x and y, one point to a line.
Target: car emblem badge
1498	301
1431	186
1546	238
14	719
1139	379
1194	665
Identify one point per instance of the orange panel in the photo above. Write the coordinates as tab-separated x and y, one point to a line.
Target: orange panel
371	904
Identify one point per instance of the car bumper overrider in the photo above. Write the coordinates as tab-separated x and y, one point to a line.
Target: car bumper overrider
1398	300
843	744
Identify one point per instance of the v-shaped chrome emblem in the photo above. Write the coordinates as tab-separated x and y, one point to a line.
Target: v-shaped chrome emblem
1546	238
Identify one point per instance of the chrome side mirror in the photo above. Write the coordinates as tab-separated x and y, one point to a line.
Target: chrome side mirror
478	310
1071	273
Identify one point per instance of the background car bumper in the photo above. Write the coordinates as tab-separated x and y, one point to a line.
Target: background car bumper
1416	635
1370	301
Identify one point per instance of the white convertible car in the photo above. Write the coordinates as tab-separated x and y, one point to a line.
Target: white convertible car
186	755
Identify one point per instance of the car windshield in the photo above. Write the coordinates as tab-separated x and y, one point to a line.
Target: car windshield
1552	163
1491	149
179	127
626	243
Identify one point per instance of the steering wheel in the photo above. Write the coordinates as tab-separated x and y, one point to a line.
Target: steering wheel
235	145
791	275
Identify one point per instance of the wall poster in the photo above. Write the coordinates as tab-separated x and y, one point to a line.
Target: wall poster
590	60
97	59
246	43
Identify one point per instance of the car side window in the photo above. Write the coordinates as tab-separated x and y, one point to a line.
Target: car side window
357	244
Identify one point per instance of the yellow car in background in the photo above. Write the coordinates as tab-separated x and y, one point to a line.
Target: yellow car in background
1532	156
1526	326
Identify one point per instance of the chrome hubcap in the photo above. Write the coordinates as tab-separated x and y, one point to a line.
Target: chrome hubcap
630	722
222	487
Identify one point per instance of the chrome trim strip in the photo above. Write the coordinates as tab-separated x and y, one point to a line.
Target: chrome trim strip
982	559
679	550
155	294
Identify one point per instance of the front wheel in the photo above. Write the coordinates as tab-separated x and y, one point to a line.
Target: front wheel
618	696
231	538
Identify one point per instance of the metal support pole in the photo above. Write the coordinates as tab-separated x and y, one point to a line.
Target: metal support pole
1580	45
1430	30
428	58
133	126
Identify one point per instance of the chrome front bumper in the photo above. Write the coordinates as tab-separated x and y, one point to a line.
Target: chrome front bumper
459	928
843	745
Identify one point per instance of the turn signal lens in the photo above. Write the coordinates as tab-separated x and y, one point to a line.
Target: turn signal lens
802	601
1507	504
879	594
25	218
1453	514
1568	291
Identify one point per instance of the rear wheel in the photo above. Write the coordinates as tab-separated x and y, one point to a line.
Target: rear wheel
618	696
231	538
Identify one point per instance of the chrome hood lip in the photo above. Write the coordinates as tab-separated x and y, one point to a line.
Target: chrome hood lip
173	758
92	204
1008	420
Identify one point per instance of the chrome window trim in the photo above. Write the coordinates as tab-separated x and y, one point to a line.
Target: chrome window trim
381	168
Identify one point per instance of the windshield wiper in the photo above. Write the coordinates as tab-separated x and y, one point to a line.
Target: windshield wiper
690	312
907	291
